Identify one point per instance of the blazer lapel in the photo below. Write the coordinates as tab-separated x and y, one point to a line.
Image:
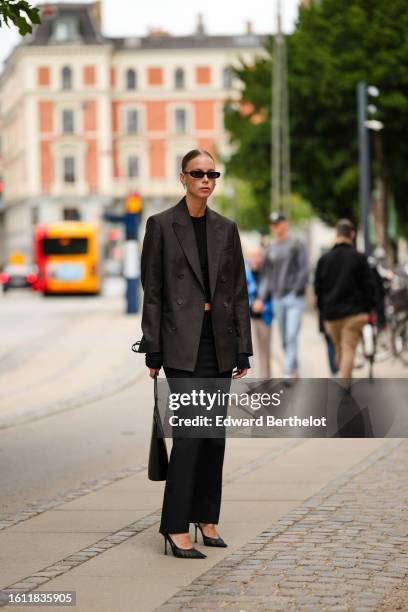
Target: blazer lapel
215	240
184	230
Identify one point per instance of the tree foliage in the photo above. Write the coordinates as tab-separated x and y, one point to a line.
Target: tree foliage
335	45
20	13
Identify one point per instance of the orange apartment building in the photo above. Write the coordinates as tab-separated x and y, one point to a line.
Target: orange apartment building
85	119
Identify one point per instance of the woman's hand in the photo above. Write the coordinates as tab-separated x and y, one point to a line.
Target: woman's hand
240	373
257	305
153	372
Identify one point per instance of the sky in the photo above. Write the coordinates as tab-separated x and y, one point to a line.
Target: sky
135	18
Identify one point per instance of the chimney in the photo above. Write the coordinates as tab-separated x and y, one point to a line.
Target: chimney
96	12
158	33
200	29
248	27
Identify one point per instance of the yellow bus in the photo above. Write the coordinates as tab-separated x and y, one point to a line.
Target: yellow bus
67	257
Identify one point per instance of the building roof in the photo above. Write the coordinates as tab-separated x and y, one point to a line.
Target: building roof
199	41
84	23
87	31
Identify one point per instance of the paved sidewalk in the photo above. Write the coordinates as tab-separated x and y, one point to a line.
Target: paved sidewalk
311	524
102	541
343	549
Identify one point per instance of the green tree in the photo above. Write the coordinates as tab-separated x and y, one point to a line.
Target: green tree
335	45
20	13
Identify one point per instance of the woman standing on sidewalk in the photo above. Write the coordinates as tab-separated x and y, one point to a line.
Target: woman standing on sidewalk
195	324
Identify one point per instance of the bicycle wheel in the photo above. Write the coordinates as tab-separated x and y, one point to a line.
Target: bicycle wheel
383	345
400	340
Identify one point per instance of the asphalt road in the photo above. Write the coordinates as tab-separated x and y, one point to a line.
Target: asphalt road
46	456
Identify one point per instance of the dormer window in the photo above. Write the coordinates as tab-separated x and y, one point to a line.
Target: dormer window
65	30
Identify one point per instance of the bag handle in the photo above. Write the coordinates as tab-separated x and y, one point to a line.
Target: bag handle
135	346
156	395
156	411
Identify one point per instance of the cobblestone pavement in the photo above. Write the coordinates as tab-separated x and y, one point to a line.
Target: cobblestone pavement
345	548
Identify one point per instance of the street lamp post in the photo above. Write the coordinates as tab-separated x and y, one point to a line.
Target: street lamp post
363	91
364	165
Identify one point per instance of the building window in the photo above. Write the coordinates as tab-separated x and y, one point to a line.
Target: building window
131	79
69	169
180	122
68	126
71	214
179	159
66	75
227	76
133	166
132	123
179	78
65	30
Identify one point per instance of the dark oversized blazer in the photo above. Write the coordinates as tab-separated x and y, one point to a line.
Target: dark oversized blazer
174	296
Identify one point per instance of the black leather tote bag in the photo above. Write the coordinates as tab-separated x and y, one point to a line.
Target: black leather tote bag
158	459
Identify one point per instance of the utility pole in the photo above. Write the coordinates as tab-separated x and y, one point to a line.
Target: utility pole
280	156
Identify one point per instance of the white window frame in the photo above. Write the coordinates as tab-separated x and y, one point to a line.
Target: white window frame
174	110
74	122
74	166
128	158
183	71
140	120
69	147
62	78
127	88
226	69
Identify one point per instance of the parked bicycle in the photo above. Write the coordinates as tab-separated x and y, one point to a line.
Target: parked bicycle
386	335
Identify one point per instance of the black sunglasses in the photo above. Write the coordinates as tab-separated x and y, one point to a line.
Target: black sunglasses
211	174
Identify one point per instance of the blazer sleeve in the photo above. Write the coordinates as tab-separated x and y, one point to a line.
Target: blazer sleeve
241	304
151	268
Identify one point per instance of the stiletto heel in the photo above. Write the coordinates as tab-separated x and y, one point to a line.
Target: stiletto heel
207	541
195	525
181	553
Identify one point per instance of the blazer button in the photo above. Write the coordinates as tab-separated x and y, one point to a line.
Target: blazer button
181	275
229	330
225	304
223	279
179	301
173	327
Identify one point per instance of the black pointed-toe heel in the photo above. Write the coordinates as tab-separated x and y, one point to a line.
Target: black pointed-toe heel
182	553
207	541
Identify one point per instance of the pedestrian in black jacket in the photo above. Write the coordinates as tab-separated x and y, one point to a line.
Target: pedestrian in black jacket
345	293
196	324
